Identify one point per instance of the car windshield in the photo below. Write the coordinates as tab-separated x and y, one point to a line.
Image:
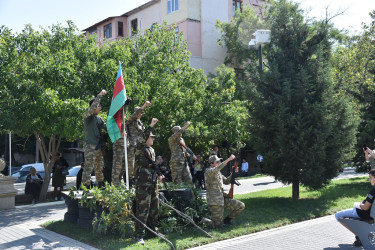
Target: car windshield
26	168
74	171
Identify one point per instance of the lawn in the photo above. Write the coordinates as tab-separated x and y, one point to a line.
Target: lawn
264	210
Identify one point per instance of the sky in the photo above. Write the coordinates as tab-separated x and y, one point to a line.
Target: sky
14	14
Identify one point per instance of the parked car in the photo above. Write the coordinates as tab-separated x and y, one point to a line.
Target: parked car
25	170
74	171
14	170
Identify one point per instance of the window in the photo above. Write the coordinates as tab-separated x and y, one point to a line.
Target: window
108	30
120	28
134	26
236	4
172	6
93	32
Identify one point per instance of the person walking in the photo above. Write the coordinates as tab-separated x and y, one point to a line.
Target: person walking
59	176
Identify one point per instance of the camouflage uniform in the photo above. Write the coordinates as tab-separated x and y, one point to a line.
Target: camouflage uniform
147	200
135	130
118	165
93	155
216	198
179	166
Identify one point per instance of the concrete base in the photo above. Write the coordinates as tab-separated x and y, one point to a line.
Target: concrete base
7	192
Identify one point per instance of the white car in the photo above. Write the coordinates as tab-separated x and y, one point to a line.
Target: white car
25	170
74	171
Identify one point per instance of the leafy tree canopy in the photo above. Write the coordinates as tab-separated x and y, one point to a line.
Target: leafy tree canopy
49	77
353	70
302	125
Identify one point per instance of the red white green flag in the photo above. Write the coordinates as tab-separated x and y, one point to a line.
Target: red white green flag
115	111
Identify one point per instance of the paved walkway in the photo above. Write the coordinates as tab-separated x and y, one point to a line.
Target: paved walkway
323	233
19	228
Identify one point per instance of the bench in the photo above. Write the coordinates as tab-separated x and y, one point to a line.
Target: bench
364	229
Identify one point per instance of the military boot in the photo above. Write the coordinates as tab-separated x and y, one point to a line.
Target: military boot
228	221
101	185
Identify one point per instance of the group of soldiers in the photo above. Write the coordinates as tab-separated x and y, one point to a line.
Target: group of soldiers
142	168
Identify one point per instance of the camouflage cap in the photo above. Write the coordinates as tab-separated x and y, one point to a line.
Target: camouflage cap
175	129
213	158
136	109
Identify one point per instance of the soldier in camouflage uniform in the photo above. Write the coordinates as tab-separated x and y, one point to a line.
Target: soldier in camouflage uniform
135	130
179	166
147	200
217	200
93	154
118	163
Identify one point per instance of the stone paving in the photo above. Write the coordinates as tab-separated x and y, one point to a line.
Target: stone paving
19	228
322	233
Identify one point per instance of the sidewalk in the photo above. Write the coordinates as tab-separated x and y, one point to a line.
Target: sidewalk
19	228
322	233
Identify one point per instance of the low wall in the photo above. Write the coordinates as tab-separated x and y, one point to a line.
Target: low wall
7	192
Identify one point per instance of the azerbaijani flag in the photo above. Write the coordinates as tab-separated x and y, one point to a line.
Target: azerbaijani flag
114	114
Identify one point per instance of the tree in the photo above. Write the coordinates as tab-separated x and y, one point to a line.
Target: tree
304	127
236	36
159	71
48	77
353	71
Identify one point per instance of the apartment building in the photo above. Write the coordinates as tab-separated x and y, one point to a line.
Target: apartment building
196	19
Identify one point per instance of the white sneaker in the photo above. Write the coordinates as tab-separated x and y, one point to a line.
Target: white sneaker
33	202
55	198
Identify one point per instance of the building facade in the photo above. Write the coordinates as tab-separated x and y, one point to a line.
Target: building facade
196	19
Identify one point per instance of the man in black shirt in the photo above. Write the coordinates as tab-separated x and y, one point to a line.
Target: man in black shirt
360	210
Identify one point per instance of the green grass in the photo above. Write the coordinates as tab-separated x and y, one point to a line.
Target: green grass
264	210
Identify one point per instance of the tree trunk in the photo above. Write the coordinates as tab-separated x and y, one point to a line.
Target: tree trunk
295	187
48	157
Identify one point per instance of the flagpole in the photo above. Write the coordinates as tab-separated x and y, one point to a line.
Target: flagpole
125	150
10	154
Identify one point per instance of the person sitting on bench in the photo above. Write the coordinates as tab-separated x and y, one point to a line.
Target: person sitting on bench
360	210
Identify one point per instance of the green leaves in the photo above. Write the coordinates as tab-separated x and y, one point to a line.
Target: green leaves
51	75
300	124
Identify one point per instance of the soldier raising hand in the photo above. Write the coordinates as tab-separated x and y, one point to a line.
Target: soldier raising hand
179	166
136	136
